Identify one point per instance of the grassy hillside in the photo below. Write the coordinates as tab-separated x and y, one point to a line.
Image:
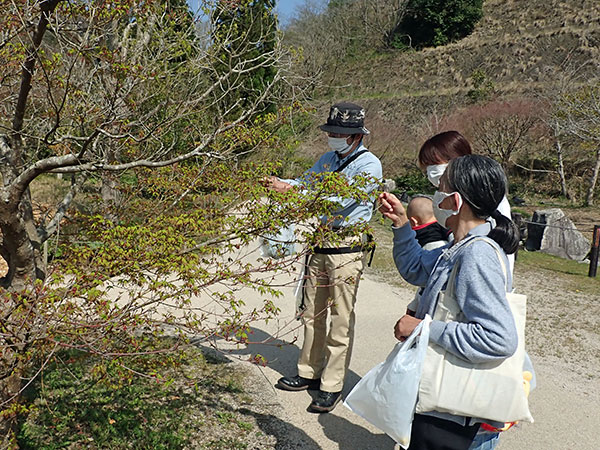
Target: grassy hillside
518	44
520	47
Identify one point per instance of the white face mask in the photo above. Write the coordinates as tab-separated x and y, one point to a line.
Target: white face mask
339	145
442	215
434	173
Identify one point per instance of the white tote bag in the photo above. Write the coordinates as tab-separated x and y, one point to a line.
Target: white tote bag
387	394
491	390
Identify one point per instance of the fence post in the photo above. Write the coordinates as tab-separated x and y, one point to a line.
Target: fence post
594	252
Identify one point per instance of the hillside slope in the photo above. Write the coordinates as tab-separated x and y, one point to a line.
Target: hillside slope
522	47
519	44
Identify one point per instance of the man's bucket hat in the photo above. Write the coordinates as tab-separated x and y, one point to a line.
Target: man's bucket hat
345	118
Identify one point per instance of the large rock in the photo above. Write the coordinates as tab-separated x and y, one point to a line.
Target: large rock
552	232
389	185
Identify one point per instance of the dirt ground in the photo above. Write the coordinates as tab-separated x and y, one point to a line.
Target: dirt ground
562	338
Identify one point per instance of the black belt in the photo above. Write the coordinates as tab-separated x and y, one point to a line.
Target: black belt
338	251
346	250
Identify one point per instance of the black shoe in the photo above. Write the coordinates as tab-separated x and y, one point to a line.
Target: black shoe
297	383
325	402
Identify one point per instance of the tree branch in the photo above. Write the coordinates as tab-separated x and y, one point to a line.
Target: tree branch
21	183
534	170
47	6
46	231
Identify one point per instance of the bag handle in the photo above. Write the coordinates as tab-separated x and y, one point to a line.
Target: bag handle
452	277
420	333
450	285
417	333
502	264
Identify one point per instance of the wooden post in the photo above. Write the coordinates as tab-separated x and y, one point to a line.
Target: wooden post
594	252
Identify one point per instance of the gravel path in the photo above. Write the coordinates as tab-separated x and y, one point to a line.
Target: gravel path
563	339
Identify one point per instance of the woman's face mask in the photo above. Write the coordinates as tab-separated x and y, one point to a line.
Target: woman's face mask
435	172
441	214
339	145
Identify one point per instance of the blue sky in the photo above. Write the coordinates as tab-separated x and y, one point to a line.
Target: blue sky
285	8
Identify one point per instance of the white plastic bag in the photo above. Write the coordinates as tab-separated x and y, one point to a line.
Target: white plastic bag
386	396
279	245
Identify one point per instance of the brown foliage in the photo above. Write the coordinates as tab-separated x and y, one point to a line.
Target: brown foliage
502	130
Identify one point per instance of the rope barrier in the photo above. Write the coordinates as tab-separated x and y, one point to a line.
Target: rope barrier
556	226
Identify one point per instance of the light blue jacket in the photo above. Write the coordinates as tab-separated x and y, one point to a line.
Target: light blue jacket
489	331
350	211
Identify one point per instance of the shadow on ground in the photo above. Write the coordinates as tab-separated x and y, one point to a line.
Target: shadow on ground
281	356
288	436
350	436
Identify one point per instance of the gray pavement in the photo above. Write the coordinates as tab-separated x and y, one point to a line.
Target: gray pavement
566	418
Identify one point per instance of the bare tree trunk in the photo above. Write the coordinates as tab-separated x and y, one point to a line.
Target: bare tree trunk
24	265
593	180
10	388
109	191
21	250
561	167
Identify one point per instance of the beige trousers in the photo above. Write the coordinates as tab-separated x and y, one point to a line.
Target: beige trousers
329	291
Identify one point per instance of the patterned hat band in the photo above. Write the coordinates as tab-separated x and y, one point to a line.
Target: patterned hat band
345	118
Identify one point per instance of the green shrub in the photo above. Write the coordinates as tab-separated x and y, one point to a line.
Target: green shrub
483	87
71	408
413	182
438	22
82	402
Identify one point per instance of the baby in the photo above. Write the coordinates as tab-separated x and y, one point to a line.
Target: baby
430	233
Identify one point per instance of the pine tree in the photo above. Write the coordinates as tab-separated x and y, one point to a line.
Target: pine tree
245	34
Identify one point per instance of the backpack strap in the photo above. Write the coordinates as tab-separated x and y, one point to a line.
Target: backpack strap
369	237
349	160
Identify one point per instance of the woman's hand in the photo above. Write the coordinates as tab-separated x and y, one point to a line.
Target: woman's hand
405	326
392	208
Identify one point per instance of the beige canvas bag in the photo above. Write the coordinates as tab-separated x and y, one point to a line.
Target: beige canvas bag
490	390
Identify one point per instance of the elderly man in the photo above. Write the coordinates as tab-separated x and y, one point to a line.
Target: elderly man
333	273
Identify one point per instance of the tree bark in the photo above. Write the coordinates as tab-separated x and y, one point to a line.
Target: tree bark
593	180
21	248
10	388
47	7
561	167
109	190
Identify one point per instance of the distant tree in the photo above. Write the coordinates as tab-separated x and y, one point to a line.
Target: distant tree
559	133
438	22
327	37
244	36
555	122
501	129
483	87
577	113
